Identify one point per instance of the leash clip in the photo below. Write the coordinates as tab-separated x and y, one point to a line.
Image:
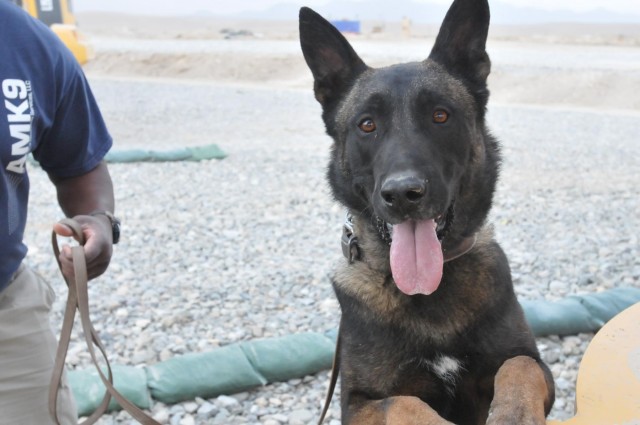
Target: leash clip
350	247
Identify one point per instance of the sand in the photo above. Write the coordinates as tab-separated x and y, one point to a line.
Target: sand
572	65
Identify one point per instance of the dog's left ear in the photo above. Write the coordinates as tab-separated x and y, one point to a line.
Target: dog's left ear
460	45
333	62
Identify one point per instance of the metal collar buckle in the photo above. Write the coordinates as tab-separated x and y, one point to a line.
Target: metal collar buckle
350	247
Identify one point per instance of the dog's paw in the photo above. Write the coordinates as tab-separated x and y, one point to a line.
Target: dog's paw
520	394
514	416
398	410
406	410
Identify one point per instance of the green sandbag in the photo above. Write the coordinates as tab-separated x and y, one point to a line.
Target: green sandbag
196	153
291	356
225	370
578	313
88	389
170	155
242	366
132	155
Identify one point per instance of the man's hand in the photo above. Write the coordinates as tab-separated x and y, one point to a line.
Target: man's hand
79	196
98	245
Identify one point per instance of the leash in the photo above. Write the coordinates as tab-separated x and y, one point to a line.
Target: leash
335	369
78	298
351	250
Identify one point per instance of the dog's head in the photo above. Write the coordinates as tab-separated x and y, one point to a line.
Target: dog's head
410	140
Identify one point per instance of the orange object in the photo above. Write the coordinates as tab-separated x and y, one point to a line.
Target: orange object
57	14
608	386
74	42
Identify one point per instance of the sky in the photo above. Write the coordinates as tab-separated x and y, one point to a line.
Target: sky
230	7
621	6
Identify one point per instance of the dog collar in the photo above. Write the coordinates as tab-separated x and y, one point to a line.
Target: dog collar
351	248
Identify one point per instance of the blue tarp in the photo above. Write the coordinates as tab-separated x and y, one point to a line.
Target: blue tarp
347	26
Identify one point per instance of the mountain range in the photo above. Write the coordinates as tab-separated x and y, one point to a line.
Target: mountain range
369	10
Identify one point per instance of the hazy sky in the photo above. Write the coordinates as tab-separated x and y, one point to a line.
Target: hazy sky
237	6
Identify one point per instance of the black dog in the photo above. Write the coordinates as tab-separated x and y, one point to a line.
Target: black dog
431	331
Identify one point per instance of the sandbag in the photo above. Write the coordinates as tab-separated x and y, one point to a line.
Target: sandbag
238	367
224	370
289	357
88	389
196	153
578	313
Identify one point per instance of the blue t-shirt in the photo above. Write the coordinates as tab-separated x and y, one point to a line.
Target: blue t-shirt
47	109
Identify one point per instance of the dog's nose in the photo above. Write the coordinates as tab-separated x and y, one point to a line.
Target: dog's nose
402	190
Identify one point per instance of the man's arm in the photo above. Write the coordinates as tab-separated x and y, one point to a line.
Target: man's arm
78	197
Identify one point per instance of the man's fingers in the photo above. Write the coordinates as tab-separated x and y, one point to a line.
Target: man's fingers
65	253
66	261
64	230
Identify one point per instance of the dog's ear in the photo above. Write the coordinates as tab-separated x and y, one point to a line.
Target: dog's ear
333	62
460	45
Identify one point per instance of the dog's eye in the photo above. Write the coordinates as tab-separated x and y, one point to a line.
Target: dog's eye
440	116
367	125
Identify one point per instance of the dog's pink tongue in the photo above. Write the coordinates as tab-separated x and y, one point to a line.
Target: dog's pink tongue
416	257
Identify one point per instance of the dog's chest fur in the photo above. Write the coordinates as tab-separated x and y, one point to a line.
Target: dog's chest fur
416	342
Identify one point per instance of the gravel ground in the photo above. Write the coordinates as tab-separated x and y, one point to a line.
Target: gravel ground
217	252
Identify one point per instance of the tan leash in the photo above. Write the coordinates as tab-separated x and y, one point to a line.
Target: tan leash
78	298
335	369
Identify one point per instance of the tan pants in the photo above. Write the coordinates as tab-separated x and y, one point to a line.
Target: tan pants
27	353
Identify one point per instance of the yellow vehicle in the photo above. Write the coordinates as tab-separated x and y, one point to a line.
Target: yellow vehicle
58	16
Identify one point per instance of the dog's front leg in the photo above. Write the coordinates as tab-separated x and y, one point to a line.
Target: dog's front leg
399	410
522	393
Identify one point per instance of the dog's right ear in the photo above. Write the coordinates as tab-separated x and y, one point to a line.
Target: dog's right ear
333	62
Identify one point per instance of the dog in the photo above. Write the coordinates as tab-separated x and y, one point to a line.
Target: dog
431	331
